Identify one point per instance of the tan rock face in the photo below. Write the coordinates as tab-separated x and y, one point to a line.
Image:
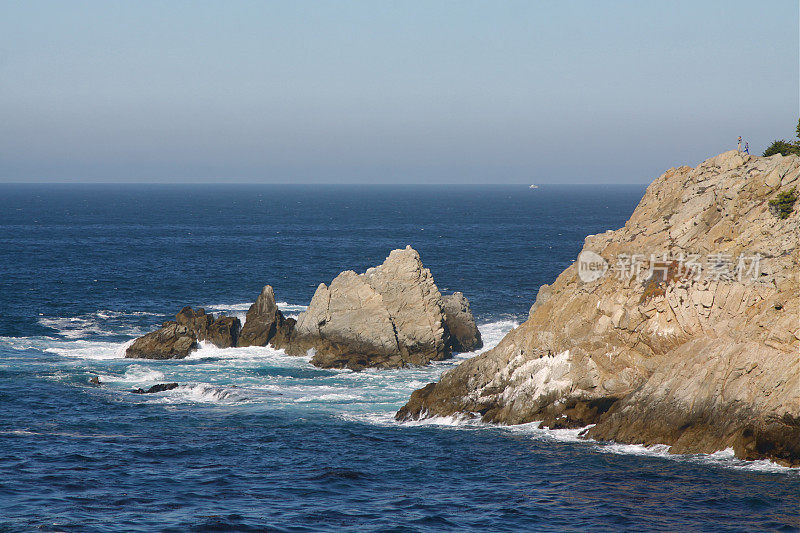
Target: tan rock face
389	316
701	360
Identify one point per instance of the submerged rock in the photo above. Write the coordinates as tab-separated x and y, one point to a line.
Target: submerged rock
390	316
464	334
698	362
160	387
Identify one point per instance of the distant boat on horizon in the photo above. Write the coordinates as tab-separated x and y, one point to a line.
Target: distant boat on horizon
533	186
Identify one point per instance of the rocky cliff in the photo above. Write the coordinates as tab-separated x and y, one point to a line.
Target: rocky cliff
681	328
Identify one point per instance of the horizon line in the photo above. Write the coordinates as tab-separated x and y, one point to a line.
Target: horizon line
316	183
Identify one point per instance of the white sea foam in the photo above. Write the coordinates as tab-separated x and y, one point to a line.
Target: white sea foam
332	397
81	349
493	332
195	393
261	354
103	322
136	374
72	328
229	308
239	310
723	458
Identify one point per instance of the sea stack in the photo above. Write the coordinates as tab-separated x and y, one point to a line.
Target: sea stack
265	322
696	346
390	316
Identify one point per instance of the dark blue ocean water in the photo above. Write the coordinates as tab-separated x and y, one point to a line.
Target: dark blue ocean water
254	440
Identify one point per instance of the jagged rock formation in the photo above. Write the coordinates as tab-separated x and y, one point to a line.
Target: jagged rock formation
390	316
464	334
700	353
176	339
264	322
222	332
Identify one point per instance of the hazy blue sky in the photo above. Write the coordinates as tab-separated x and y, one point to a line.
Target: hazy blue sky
396	92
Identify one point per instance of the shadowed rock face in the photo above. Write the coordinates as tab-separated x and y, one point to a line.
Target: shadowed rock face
699	363
262	320
464	334
391	316
224	332
265	324
176	339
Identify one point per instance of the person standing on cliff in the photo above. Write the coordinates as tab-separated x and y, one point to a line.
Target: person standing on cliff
739	144
746	147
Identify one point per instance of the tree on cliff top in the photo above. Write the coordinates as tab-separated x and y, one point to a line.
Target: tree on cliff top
784	147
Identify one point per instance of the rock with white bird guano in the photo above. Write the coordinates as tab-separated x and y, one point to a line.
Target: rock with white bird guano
698	362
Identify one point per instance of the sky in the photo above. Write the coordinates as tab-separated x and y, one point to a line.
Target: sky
389	91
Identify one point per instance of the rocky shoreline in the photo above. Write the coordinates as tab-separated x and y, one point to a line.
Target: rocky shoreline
702	356
681	328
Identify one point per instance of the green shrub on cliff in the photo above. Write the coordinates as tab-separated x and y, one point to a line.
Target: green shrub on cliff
784	147
782	205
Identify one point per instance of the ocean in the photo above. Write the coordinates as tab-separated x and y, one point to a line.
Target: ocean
254	440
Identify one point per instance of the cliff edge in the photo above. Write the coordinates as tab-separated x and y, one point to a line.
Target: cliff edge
681	328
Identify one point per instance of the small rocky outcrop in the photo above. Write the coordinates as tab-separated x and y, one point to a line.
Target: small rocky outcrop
464	334
701	360
388	317
264	322
171	341
222	332
177	339
159	387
